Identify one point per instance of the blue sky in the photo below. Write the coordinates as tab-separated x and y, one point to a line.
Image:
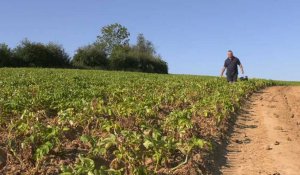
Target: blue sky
192	36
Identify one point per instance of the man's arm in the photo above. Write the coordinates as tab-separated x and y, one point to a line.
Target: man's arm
222	71
242	68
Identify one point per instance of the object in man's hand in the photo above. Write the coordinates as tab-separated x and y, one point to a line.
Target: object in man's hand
244	78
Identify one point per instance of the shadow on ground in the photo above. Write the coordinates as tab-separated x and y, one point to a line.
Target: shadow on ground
220	157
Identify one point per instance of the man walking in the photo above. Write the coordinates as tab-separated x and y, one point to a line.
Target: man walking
231	64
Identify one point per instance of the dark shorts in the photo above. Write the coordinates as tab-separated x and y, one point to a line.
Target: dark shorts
232	77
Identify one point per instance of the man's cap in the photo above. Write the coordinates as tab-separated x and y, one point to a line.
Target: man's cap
229	51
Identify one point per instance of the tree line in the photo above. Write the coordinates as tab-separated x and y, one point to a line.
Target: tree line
110	51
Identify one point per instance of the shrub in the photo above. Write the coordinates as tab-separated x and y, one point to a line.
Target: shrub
58	55
40	55
91	56
5	55
128	59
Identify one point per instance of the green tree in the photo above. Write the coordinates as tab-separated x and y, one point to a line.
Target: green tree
113	35
37	54
127	58
144	46
5	55
58	55
120	59
90	56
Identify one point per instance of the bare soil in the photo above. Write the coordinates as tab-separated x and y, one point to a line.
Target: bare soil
266	136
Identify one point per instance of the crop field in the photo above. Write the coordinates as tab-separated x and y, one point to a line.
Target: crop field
56	121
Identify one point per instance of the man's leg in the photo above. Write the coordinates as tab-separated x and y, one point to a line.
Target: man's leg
235	77
229	78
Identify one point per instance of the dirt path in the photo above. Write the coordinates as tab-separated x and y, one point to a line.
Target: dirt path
266	137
